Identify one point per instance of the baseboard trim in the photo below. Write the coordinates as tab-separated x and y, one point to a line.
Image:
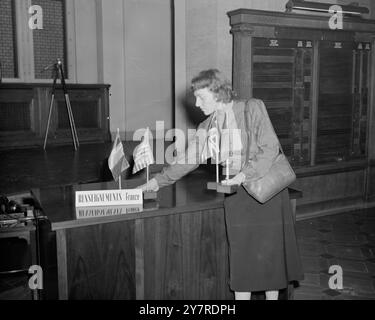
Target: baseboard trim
369	204
333	211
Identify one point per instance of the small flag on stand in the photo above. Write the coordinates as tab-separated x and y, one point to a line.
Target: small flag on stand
143	157
142	154
213	144
117	162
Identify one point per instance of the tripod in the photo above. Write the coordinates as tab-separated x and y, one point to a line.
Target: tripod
58	71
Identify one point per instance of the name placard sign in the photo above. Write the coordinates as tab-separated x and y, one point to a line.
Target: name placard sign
101	198
95	212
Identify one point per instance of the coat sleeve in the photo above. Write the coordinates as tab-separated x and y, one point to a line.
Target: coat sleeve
187	162
262	139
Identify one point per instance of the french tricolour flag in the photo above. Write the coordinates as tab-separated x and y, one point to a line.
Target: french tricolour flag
117	162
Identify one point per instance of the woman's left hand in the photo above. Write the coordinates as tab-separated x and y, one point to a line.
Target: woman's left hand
236	180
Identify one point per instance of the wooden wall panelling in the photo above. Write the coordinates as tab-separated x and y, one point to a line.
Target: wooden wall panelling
41	102
24	112
331	186
370	195
87	108
18	116
45	106
323	193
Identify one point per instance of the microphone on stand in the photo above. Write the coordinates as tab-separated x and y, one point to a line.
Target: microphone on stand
48	67
58	62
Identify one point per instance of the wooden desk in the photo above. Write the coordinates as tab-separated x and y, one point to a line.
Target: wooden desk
177	250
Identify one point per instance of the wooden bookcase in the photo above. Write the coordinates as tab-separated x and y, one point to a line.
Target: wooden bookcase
316	84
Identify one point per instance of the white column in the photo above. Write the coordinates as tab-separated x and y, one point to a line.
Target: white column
71	40
111	55
86	41
24	41
180	81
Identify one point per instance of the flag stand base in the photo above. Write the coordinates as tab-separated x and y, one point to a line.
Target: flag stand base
150	195
150	205
218	187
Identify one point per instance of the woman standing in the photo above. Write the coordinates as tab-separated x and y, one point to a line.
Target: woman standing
262	243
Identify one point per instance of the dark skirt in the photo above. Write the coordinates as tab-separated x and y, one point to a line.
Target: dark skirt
263	251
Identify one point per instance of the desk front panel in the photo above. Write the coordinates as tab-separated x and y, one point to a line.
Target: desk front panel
185	256
181	256
99	262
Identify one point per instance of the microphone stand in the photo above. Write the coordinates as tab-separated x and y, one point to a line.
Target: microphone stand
58	72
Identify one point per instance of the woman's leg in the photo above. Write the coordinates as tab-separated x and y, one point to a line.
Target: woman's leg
272	295
242	295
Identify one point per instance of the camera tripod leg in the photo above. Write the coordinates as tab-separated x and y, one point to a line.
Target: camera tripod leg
49	120
71	121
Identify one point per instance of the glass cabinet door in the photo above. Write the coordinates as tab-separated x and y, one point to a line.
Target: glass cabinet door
282	76
342	102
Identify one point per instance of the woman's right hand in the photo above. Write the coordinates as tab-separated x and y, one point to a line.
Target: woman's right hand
152	185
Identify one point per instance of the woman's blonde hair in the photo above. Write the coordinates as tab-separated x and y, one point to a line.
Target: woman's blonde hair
216	82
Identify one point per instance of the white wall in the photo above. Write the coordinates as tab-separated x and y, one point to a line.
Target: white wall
127	44
113	55
86	41
148	63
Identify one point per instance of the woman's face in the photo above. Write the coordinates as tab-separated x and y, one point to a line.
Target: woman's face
205	100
